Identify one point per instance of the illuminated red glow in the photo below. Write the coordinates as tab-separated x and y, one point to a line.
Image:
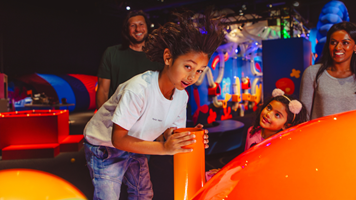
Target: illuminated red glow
227	113
36	134
286	84
32	113
216	60
203	109
28	184
212	116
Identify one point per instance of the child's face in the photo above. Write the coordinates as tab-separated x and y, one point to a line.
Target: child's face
273	116
187	69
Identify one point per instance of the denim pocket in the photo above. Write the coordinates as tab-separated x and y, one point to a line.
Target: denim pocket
102	152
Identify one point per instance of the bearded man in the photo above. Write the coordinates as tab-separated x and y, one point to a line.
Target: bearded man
121	62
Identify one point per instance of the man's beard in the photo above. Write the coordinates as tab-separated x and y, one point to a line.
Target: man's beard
134	41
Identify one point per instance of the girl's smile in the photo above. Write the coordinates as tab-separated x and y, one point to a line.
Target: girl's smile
273	118
341	46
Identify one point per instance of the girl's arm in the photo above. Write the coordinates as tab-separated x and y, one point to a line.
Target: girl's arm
121	140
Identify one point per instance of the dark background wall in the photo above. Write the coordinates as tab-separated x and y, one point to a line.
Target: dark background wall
54	39
69	36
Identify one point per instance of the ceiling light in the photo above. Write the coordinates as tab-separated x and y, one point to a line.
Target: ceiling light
128	8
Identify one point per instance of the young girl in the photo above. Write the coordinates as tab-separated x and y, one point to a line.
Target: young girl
278	113
147	105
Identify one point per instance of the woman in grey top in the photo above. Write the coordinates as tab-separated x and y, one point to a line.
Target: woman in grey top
330	87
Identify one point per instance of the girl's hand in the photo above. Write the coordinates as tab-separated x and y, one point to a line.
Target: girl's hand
176	141
169	132
206	136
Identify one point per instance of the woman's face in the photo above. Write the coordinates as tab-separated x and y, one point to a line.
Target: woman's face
341	47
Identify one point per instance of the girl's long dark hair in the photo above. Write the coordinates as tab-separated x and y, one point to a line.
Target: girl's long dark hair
299	118
326	59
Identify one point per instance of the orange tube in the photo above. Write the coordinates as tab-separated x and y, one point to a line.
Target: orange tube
189	168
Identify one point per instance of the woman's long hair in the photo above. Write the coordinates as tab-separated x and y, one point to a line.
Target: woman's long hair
326	59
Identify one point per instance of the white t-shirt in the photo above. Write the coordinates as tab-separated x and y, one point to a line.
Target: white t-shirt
139	107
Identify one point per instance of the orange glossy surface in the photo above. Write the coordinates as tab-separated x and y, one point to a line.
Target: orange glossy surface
28	184
314	160
190	165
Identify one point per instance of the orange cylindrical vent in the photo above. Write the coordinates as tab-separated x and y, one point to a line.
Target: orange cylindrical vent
189	168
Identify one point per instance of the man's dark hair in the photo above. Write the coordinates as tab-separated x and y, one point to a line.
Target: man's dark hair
202	35
125	27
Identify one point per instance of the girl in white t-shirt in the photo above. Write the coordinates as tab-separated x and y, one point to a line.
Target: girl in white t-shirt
147	105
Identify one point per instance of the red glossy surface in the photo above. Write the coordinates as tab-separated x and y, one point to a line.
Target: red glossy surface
286	84
33	127
90	83
314	160
30	151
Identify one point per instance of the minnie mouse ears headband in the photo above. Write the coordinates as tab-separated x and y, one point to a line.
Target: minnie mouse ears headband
294	105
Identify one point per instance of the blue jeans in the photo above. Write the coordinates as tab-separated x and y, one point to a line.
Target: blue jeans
109	167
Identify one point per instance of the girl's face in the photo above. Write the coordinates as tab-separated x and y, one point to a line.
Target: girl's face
341	46
274	116
186	69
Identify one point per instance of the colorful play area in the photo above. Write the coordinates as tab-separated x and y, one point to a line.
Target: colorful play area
41	140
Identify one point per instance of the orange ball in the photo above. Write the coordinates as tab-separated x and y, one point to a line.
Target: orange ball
34	184
314	160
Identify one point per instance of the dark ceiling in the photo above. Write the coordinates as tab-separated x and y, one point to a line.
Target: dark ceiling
160	9
69	36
